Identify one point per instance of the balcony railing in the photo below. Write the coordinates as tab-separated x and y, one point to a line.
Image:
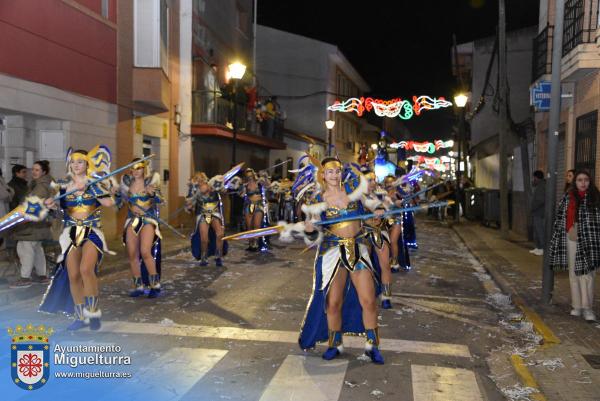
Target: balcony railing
542	53
580	22
210	107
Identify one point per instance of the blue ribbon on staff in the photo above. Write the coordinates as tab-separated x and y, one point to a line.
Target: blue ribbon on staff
383	215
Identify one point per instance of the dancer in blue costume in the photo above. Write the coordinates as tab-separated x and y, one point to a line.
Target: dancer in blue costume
377	199
408	219
256	213
141	233
204	198
344	283
74	286
400	257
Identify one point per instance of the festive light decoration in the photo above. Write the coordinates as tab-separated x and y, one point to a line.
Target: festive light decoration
390	108
436	163
423	147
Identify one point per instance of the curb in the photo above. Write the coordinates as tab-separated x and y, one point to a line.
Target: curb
526	377
549	338
538	323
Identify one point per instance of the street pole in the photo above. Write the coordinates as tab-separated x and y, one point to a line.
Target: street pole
504	132
553	131
458	169
329	142
233	148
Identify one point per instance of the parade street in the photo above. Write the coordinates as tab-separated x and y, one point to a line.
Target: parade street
230	333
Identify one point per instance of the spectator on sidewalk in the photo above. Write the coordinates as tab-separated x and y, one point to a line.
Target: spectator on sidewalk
538	208
29	236
568	180
575	243
19	185
6	195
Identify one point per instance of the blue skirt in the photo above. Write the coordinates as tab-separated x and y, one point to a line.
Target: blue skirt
314	327
58	295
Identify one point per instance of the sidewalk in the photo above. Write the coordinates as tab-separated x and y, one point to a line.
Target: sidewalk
171	244
567	338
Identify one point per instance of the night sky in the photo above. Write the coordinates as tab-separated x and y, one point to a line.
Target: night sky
400	48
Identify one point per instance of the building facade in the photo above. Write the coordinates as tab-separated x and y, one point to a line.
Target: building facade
97	72
478	63
580	87
57	81
307	76
223	113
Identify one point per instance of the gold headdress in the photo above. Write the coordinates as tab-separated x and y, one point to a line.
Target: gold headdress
98	160
388	181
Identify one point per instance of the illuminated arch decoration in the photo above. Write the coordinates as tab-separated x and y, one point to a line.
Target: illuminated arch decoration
435	163
423	147
390	108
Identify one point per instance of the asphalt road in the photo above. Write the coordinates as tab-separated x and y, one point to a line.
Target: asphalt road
230	333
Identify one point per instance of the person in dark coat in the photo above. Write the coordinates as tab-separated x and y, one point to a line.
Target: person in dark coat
19	185
538	208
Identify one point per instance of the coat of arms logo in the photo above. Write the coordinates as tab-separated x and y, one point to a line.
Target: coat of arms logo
30	355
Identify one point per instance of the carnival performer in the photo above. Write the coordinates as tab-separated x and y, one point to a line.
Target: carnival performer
400	257
286	204
140	191
74	286
344	282
256	213
379	237
409	230
204	199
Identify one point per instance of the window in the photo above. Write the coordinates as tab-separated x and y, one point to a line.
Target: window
585	142
105	8
151	33
164	35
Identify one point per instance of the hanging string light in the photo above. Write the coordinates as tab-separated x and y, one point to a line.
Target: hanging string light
390	108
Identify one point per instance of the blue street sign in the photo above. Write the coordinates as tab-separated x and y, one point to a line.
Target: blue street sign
540	96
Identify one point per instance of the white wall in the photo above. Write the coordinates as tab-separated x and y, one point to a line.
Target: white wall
185	93
35	112
486	173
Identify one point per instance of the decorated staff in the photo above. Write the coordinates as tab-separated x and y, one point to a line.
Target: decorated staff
74	287
400	256
204	198
379	237
140	191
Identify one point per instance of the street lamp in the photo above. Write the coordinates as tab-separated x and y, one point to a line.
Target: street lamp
329	124
236	72
460	100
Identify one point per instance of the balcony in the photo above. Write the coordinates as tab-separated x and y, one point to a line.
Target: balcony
213	115
580	54
542	54
151	87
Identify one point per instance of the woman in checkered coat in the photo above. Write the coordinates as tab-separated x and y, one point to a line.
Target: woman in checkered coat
575	244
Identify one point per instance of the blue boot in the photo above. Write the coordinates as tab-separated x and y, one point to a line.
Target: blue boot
386	293
395	268
154	286
79	322
203	262
138	288
335	345
219	262
372	346
92	312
